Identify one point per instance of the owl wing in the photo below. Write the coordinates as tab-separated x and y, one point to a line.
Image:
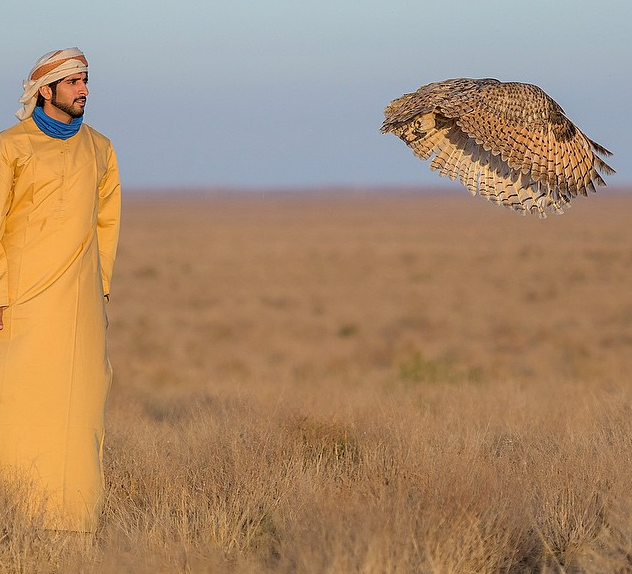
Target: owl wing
509	142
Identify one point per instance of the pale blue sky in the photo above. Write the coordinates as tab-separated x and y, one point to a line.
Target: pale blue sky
198	93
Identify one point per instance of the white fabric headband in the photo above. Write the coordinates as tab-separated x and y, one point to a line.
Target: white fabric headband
48	69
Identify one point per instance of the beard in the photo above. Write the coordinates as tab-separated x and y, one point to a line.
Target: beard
67	108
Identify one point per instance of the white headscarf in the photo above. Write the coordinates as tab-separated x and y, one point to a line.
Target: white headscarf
48	69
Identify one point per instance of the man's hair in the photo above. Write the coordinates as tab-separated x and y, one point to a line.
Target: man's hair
41	100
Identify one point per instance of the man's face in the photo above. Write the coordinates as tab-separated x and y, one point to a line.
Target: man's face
69	96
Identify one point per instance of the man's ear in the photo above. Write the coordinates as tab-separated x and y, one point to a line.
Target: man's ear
46	92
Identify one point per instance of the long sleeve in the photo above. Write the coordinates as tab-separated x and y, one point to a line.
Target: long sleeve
6	183
109	219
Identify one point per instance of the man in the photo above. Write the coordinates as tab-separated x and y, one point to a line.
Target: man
59	224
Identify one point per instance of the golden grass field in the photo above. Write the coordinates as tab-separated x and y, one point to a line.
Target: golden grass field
361	382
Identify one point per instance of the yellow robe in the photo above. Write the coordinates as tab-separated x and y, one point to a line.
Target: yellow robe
59	223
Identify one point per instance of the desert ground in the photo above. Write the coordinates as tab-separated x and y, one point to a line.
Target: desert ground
361	381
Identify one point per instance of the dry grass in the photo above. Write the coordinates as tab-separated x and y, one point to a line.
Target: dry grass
362	383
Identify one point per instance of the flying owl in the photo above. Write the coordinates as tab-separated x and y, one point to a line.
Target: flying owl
508	141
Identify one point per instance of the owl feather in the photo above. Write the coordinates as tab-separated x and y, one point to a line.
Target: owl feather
507	141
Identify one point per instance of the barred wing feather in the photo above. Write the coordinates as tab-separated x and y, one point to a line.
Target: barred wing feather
507	141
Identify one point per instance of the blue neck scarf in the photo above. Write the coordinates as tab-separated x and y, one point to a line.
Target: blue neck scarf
54	128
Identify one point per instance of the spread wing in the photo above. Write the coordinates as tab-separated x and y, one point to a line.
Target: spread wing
509	142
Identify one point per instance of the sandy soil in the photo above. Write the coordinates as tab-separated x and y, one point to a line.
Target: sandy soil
254	288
